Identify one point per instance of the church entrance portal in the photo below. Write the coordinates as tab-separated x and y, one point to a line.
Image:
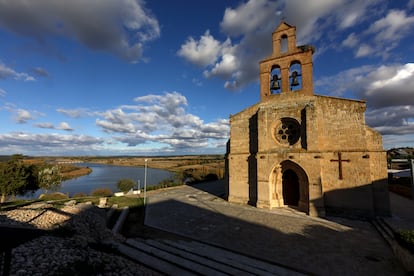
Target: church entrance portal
290	186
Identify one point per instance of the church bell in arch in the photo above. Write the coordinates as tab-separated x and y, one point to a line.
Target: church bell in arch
274	85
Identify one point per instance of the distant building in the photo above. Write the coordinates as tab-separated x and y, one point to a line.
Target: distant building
311	152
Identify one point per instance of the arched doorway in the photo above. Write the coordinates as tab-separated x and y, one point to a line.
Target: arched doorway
293	186
290	188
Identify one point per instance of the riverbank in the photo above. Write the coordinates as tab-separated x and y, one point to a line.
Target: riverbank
73	171
195	166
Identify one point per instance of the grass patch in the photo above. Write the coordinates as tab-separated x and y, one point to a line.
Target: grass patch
406	239
123	201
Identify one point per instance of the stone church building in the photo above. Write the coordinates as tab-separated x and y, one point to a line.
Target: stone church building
311	152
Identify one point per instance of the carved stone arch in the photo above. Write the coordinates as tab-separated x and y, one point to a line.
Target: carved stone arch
292	170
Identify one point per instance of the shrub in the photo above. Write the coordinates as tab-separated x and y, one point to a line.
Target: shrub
53	196
81	194
101	192
124	185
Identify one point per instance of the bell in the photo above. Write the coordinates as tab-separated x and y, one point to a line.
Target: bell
295	81
274	83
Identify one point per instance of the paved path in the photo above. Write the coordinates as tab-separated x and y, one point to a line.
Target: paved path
332	246
403	213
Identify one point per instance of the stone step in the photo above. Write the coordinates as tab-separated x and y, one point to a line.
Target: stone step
179	261
151	261
203	259
385	231
193	256
241	262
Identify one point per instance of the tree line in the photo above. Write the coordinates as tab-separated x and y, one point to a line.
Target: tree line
18	178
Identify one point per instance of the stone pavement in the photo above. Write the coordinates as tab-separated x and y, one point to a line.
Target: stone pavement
316	246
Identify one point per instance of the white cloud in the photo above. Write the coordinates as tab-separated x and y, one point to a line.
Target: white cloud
382	36
49	144
363	50
386	85
2	92
389	85
117	26
202	52
76	113
392	27
7	72
162	119
46	125
244	19
350	41
22	116
64	126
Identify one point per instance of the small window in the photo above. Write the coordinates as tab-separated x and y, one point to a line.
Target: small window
284	44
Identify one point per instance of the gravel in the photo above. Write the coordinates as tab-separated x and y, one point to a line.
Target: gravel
77	242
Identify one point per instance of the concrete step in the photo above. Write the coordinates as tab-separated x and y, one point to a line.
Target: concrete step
198	258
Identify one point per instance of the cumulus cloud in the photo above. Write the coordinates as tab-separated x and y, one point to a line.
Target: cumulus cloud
203	52
22	116
393	26
382	35
62	126
117	26
390	85
162	119
9	73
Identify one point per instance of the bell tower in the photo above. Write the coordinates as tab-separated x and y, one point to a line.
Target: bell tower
289	68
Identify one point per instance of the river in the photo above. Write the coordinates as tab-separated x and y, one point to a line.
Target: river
107	176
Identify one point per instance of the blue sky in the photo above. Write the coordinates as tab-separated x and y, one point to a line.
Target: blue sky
128	77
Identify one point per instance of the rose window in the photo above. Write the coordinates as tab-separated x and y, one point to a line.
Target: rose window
288	131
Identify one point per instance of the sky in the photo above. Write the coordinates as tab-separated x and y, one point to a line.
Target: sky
156	77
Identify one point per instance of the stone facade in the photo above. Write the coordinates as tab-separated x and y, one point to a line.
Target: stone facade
312	152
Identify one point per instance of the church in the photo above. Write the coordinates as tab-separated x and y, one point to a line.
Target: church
296	149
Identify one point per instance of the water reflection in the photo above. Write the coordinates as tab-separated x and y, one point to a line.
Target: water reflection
107	176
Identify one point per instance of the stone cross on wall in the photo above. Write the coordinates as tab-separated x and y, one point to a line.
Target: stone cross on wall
340	160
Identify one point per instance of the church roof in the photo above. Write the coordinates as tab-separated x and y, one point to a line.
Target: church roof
283	26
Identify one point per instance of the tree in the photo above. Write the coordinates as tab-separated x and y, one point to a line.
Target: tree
13	177
49	177
125	185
